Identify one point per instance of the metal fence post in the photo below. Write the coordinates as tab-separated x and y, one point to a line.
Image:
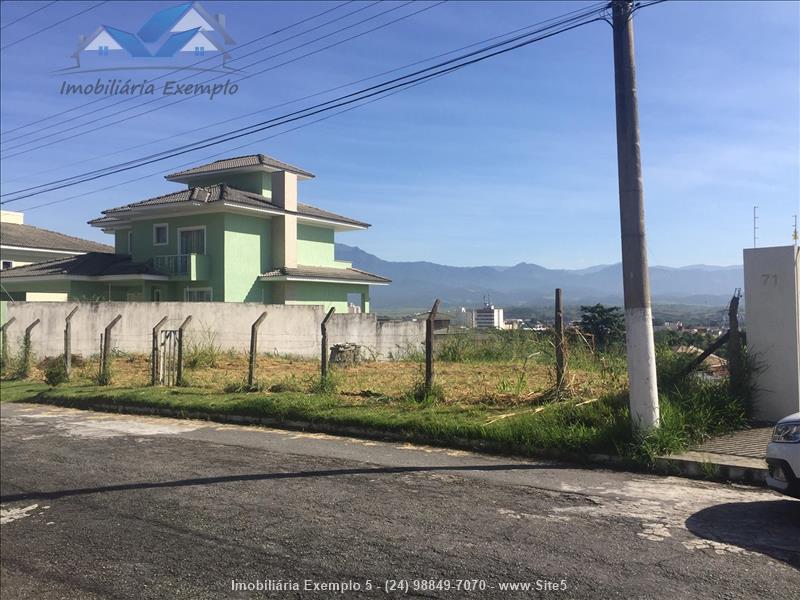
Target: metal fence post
4	350
155	375
429	322
68	342
104	357
254	349
184	325
324	328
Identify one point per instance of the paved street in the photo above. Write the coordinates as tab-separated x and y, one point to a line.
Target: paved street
97	505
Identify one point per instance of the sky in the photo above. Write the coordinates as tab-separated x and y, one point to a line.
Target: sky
510	160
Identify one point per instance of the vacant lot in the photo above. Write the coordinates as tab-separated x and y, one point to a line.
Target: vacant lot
497	390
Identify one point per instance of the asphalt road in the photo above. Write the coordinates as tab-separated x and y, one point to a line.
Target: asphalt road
99	506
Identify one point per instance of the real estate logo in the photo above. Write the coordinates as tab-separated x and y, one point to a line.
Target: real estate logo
181	39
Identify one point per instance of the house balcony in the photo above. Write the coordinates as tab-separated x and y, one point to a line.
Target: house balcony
184	267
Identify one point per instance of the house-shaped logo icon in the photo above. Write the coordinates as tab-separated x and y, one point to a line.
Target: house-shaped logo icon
183	30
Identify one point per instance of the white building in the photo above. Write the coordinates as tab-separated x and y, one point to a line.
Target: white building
772	305
489	317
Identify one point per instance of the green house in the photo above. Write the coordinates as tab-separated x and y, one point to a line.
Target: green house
236	233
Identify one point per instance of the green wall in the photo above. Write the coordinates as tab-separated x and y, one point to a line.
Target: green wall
143	249
121	242
248	254
315	246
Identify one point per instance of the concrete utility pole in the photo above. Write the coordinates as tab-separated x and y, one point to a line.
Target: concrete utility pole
638	314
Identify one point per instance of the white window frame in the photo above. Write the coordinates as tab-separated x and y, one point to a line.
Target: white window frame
198	289
156	226
130	242
192	228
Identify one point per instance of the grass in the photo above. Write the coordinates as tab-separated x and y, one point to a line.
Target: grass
500	394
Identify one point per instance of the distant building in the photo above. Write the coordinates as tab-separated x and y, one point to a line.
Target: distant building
441	322
515	324
489	317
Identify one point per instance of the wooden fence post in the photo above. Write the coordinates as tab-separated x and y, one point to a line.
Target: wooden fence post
560	353
736	377
68	342
179	366
155	375
106	351
4	349
254	349
429	322
324	327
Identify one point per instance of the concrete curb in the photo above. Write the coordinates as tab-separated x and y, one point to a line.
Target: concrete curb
677	465
718	467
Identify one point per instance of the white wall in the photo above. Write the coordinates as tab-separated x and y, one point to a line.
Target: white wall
772	311
286	329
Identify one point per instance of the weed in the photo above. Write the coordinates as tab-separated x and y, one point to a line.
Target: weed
422	395
241	387
202	351
287	384
56	373
326	386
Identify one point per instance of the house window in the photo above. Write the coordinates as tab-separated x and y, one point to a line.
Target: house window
130	242
155	295
199	50
102	50
160	234
7	264
197	295
192	240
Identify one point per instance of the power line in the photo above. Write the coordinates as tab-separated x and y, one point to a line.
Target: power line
77	14
248	76
93	113
425	74
216	154
306	97
26	15
189	66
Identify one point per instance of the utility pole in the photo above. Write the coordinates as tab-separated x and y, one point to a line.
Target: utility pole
755	226
638	314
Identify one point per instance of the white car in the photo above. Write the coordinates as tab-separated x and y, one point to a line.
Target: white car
783	456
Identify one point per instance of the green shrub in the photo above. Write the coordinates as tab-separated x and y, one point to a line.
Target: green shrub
56	373
24	360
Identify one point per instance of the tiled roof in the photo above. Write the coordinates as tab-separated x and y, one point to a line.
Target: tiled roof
28	236
216	193
251	160
348	274
93	264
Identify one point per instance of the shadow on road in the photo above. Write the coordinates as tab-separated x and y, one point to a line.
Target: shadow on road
769	527
146	485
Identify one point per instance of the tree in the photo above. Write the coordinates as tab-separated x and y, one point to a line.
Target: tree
606	324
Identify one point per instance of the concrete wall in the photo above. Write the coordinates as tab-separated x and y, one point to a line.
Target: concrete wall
286	330
772	306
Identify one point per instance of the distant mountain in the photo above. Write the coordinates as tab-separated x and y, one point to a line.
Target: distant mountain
415	284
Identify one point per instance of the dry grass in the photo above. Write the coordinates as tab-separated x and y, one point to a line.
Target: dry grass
490	383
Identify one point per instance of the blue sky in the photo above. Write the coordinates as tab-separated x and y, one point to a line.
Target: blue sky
507	161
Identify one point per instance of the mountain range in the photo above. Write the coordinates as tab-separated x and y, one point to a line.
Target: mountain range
416	284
